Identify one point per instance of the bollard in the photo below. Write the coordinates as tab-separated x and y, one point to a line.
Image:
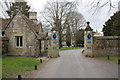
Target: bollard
108	58
41	61
58	55
35	67
118	61
19	77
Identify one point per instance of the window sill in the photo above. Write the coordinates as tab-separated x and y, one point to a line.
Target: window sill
19	47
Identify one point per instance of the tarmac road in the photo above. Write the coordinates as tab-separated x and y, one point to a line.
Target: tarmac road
72	64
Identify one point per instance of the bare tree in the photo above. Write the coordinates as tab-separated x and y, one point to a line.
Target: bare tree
55	14
98	4
73	22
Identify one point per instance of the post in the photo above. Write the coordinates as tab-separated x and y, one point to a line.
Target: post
41	61
35	67
118	60
108	57
19	77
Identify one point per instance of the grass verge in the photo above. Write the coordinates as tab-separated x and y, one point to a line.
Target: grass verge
13	66
0	67
113	59
69	48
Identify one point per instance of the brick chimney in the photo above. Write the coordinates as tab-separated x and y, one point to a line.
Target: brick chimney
33	16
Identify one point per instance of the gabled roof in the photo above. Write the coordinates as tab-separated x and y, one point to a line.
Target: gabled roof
88	28
4	23
33	26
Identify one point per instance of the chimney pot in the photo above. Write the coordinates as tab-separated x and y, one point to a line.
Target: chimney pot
32	15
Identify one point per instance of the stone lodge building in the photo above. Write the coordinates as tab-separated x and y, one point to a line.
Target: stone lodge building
25	35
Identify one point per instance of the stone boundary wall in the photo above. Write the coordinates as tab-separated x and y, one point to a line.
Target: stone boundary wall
106	45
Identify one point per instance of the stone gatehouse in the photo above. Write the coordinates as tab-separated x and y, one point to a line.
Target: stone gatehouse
25	35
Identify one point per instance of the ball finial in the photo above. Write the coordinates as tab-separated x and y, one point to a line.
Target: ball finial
88	22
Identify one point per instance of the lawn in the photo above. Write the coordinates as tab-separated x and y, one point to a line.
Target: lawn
113	59
0	67
13	66
69	48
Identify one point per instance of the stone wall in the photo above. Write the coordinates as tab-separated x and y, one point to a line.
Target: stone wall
5	42
19	27
44	48
106	45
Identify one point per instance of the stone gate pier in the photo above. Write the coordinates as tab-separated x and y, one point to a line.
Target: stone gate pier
100	45
53	48
88	40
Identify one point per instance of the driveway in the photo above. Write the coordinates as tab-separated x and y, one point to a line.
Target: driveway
72	64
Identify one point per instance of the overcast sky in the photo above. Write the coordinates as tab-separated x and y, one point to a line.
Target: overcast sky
84	7
97	19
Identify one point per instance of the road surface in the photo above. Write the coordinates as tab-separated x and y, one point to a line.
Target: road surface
72	64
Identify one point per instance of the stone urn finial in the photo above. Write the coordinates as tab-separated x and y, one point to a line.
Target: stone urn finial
88	23
88	28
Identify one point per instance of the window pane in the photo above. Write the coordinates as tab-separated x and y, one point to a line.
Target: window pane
20	40
3	32
17	41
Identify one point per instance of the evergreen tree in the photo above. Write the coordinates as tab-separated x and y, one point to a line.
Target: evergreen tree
112	26
18	6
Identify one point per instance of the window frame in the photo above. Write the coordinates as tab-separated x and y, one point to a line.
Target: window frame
19	42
